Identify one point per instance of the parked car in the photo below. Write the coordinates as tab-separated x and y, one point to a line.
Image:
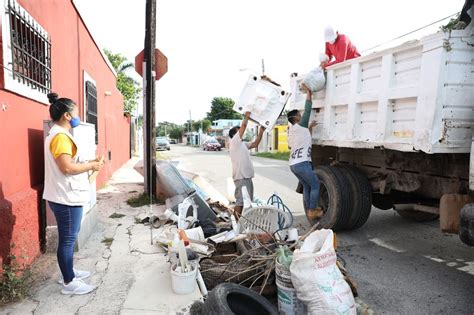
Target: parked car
162	144
173	141
211	145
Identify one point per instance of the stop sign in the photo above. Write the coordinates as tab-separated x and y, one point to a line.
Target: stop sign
161	63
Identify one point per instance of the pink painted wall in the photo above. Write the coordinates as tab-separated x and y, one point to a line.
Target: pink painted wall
21	124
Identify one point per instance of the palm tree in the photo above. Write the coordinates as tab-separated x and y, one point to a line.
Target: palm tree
128	86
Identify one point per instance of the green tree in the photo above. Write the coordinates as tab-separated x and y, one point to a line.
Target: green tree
205	123
176	132
221	108
128	86
186	126
164	128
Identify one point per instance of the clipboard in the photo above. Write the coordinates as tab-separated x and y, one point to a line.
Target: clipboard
94	174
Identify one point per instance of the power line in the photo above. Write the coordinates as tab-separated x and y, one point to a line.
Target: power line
418	29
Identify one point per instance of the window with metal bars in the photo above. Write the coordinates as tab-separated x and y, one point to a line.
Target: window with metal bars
30	48
91	108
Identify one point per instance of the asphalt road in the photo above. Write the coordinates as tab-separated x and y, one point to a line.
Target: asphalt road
401	267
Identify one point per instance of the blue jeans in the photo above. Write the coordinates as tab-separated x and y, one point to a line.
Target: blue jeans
68	219
307	177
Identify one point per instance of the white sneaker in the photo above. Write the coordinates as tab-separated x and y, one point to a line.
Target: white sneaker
78	274
77	286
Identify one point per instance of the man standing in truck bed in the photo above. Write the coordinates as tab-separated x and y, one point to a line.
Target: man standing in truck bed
338	46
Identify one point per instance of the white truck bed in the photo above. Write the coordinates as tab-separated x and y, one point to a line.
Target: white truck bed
418	96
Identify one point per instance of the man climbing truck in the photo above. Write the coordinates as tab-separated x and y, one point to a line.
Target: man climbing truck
394	130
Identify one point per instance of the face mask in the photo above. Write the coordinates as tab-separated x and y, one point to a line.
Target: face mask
75	121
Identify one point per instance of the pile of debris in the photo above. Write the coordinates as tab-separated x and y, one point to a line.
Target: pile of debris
253	257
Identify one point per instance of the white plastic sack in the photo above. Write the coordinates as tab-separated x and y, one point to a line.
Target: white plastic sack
264	100
315	79
316	278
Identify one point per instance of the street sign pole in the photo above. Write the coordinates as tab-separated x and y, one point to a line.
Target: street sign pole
150	43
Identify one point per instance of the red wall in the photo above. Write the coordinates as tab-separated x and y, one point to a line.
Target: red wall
21	124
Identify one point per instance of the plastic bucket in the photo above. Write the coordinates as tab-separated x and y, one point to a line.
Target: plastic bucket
183	283
288	302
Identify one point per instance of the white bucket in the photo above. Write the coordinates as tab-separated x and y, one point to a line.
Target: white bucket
183	283
288	302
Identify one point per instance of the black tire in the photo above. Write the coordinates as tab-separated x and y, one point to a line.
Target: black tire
356	196
330	198
466	224
417	216
365	194
231	298
345	211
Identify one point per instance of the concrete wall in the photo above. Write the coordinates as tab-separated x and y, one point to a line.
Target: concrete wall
21	134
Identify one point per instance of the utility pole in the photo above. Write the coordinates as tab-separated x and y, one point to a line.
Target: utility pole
263	67
149	111
190	121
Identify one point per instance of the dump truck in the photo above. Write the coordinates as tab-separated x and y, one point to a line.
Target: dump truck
394	131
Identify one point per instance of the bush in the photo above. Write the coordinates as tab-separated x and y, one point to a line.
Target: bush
15	281
143	200
453	24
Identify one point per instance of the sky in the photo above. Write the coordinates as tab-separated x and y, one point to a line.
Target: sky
214	45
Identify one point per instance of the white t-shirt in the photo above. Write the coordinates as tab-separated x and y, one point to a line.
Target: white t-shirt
240	157
299	140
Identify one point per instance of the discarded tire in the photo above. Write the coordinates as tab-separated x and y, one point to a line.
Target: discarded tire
330	198
230	298
361	196
466	224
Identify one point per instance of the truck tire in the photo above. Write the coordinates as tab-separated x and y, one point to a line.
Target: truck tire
355	195
330	198
231	298
345	211
466	224
361	196
417	216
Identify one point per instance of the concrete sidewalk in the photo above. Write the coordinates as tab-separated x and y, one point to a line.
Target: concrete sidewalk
131	274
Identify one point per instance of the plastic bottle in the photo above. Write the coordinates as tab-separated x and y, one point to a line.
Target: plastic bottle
174	244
